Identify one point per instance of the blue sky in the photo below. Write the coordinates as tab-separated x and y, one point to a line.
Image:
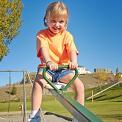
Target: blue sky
95	24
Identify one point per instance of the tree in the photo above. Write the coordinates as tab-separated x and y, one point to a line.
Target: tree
10	22
117	70
102	77
117	76
14	90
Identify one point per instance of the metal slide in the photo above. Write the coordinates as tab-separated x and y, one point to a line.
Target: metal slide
81	113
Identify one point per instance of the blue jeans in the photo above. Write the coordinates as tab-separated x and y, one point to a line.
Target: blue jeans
58	74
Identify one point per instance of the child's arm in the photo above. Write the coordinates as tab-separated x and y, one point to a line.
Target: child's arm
48	61
45	54
73	60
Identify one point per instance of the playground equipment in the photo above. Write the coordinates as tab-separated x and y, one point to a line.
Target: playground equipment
81	113
24	92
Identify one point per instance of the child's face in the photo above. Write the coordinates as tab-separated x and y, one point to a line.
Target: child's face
56	25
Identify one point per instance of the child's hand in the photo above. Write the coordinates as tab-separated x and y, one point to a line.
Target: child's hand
73	65
51	65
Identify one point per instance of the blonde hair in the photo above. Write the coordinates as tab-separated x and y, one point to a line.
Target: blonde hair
56	10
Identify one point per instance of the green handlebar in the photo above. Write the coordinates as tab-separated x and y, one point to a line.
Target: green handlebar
68	84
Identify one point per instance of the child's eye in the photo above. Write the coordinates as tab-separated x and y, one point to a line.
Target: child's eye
53	21
61	21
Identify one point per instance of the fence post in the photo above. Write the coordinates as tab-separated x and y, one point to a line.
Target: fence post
92	96
24	99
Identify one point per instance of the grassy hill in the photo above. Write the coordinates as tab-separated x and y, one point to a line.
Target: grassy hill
19	93
88	81
113	94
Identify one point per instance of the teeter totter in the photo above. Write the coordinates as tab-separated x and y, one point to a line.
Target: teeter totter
81	113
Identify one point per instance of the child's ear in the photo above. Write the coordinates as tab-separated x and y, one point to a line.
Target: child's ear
45	22
66	26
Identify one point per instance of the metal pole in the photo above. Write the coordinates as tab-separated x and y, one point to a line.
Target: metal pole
24	91
24	98
29	78
9	92
92	96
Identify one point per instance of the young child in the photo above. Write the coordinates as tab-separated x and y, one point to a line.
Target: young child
55	46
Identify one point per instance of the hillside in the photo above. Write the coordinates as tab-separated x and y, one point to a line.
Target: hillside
113	94
87	79
19	93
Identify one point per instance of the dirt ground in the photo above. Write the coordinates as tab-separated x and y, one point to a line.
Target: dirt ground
45	116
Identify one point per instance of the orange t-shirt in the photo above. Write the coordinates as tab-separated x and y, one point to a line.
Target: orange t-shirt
58	46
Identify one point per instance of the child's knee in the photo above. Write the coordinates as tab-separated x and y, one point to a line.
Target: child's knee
38	83
79	84
82	85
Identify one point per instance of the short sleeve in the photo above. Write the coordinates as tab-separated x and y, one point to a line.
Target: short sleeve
41	42
70	44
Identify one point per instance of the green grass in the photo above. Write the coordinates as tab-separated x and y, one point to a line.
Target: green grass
113	94
14	106
107	106
106	110
109	111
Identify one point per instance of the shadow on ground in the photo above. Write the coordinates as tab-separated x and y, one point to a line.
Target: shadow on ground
60	116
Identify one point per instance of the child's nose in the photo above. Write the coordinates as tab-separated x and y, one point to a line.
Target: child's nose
57	23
